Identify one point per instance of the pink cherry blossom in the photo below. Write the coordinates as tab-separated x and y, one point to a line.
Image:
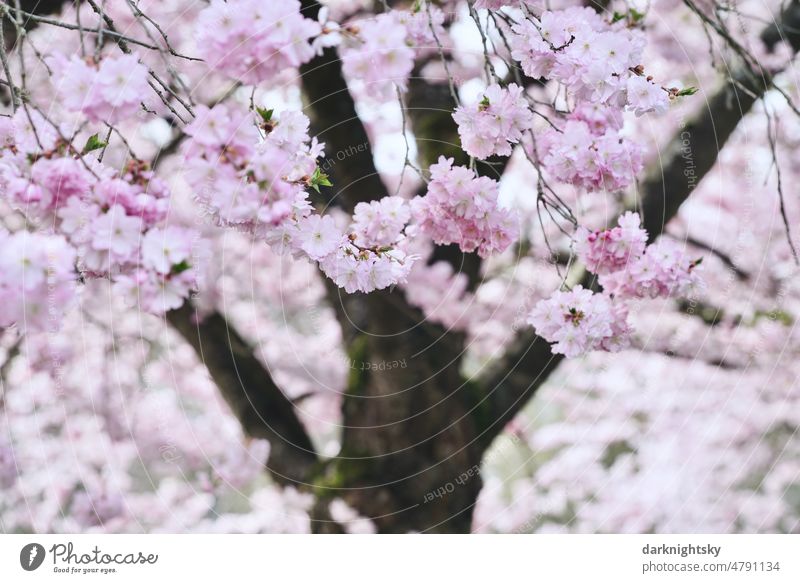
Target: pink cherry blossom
103	217
242	180
253	41
37	280
117	232
380	223
495	123
590	158
612	249
318	236
462	208
579	321
111	92
382	56
663	270
360	270
595	60
164	249
644	96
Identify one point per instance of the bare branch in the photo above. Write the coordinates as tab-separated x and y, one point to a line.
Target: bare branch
117	36
741	275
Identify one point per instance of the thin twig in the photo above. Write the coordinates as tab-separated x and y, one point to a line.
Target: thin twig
117	36
784	216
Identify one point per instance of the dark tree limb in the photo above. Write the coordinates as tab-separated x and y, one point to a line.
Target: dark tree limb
408	428
726	259
248	388
335	121
508	384
694	149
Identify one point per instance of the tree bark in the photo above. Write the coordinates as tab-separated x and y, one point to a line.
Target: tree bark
409	456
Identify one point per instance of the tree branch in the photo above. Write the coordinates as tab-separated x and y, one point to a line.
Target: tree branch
248	388
510	382
726	259
694	149
334	121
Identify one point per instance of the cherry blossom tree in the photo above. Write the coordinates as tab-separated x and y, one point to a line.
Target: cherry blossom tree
355	266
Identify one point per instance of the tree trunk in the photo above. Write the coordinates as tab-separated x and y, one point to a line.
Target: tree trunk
409	457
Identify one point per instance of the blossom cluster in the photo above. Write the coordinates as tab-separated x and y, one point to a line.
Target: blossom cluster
111	222
595	60
253	41
372	255
259	183
591	156
380	222
462	208
109	92
37	279
253	172
245	179
382	56
580	321
663	270
628	269
612	249
365	270
491	126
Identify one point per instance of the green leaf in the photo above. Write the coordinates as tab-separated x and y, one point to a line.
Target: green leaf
92	144
686	91
632	15
181	267
319	178
266	114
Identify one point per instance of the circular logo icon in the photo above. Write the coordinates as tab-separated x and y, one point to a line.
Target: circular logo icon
31	556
